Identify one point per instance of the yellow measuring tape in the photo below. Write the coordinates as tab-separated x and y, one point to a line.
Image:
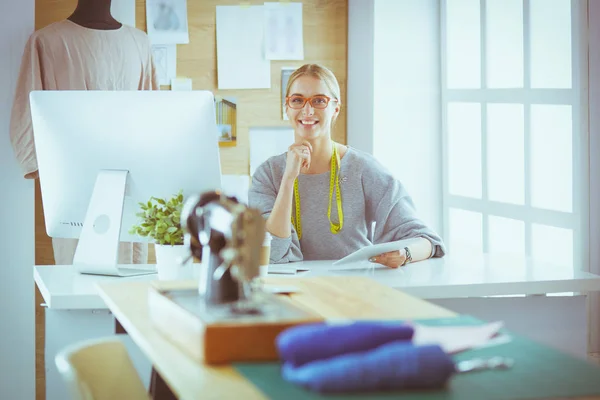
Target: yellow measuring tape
333	182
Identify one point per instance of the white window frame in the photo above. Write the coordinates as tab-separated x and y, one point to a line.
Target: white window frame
577	220
593	298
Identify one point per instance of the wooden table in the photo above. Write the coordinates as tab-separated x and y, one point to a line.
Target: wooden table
331	297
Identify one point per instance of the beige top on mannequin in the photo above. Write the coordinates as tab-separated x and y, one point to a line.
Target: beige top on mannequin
68	56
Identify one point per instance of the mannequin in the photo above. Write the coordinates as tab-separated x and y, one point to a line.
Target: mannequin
94	14
89	50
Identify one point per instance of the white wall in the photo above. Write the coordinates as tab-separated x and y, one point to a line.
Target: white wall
17	344
394	96
360	74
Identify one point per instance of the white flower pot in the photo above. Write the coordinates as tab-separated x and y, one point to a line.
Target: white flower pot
169	261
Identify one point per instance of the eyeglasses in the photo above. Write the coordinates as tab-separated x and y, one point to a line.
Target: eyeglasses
319	101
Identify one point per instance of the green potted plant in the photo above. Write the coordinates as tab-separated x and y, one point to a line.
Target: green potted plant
160	220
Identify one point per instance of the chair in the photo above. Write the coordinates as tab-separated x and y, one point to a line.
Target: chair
100	369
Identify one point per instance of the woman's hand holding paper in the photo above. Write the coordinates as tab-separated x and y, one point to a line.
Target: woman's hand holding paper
392	259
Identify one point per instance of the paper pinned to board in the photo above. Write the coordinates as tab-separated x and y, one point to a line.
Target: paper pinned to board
283	31
236	186
165	61
167	21
123	11
268	142
241	62
181	83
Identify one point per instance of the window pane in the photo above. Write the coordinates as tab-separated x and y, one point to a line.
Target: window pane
464	149
505	152
550	24
552	244
463	44
506	235
551	157
465	229
504	36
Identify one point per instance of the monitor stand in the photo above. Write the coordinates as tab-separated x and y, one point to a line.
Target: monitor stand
97	252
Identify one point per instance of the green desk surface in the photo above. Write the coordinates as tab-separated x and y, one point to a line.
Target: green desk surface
539	372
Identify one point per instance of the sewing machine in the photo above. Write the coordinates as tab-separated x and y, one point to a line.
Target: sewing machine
227	315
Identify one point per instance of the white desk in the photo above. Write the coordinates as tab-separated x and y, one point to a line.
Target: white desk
472	275
64	288
450	277
76	311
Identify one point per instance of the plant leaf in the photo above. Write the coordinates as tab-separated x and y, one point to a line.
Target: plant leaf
160	219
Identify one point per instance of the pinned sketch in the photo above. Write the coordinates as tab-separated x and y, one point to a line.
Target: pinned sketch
167	21
285	77
165	61
283	31
123	11
241	63
226	110
268	142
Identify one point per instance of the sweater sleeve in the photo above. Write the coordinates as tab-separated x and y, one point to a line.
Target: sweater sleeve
21	129
389	205
262	195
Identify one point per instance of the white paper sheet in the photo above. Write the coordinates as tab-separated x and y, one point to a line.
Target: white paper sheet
285	77
281	269
165	60
455	339
241	63
181	84
267	142
362	255
236	186
123	11
283	31
167	21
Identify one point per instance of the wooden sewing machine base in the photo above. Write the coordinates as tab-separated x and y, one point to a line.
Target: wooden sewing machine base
218	334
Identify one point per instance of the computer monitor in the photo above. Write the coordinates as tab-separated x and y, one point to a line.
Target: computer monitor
100	153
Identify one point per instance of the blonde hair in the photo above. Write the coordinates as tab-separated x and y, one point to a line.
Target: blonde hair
319	72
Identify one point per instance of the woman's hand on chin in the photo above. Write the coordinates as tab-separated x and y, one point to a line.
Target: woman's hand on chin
298	159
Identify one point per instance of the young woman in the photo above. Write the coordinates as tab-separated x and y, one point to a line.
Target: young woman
321	198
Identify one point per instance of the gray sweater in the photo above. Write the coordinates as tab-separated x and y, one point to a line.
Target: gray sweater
369	194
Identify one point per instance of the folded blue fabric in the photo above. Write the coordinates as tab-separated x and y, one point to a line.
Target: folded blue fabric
393	366
305	343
